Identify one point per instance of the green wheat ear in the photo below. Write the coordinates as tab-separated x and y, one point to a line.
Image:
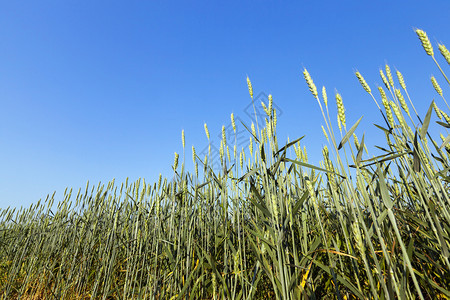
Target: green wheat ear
437	110
389	75
175	163
250	88
436	86
207	131
363	82
270	104
387	108
383	77
446	117
325	133
266	110
401	80
398	114
425	42
324	95
182	138
233	123
402	101
253	130
341	109
311	85
445	53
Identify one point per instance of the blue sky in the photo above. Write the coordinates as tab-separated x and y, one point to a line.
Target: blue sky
96	90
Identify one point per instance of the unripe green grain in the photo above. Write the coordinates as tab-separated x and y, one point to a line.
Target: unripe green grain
159	180
310	188
402	101
275	207
193	154
437	111
339	123
355	139
250	88
263	247
221	151
233	123
236	262
182	138
224	137
298	151
446	117
265	108
214	284
270	104
365	175
325	152
443	139
401	80
268	127
436	86
358	238
305	155
398	114
324	95
445	53
388	112
382	93
275	119
207	131
389	75
386	83
311	85
241	159
425	42
175	163
341	109
325	133
363	82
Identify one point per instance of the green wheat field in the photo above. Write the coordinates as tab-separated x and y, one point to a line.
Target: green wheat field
269	225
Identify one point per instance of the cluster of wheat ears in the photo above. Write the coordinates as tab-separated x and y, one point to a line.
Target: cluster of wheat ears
265	227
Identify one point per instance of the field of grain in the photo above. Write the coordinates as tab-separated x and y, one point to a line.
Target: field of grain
270	225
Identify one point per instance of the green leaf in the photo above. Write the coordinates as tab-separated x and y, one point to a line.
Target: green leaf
348	134
360	151
250	173
446	141
311	166
289	145
274	167
443	124
382	128
202	185
383	189
346	282
439	230
385	158
416	158
250	132
297	206
426	122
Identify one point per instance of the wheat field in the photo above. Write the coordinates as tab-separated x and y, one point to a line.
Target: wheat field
269	225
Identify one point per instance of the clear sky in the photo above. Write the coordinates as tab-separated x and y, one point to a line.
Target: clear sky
96	90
